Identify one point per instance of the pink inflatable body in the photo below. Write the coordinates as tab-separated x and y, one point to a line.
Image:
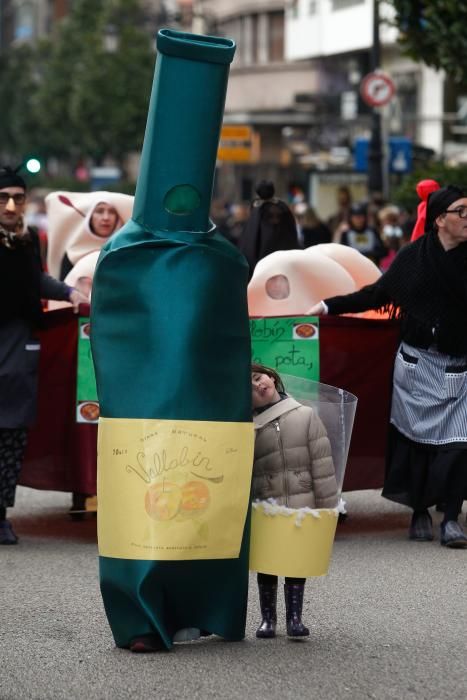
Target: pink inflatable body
288	283
362	270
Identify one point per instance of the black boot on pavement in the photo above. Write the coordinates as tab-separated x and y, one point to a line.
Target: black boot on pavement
268	603
421	526
293	610
452	535
7	534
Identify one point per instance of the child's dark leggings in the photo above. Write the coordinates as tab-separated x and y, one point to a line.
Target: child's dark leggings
270	580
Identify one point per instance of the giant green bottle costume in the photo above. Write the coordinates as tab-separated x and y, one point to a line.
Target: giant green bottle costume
171	348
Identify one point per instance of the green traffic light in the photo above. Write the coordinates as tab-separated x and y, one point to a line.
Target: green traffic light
33	165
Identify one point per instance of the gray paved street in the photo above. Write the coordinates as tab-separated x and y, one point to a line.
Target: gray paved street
388	622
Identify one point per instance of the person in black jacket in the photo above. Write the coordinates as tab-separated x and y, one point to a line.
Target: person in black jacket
426	288
23	284
270	227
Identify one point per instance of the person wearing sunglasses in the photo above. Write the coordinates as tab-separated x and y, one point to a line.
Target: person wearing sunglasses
23	284
426	288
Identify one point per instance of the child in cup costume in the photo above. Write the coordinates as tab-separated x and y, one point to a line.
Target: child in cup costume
295	489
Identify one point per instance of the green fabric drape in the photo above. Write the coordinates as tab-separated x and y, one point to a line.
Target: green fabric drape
170	339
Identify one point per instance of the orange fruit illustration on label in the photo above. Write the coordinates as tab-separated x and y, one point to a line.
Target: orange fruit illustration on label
162	501
195	498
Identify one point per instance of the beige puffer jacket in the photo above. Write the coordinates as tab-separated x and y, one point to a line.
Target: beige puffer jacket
293	462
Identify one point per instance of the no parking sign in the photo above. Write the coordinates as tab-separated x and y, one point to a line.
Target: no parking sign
377	89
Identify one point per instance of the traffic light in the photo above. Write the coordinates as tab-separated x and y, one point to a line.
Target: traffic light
411	15
33	165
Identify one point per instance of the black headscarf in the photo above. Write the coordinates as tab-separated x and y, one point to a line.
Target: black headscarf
428	287
438	202
270	227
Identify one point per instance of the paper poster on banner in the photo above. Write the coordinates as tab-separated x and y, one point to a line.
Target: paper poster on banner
287	344
87	408
173	489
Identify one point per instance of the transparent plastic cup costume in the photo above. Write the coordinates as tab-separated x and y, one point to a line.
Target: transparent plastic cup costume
299	542
336	408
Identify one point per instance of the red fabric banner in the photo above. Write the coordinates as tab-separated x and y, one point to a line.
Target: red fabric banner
61	453
356	354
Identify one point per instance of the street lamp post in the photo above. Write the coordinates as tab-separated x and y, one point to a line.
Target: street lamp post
375	150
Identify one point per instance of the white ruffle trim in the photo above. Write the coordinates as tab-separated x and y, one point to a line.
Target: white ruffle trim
341	506
271	507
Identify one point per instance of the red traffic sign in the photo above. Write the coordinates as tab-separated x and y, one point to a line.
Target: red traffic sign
377	89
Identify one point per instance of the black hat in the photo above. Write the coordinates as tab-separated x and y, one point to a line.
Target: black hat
359	209
9	177
439	201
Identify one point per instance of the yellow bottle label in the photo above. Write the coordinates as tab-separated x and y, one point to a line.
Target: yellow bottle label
172	490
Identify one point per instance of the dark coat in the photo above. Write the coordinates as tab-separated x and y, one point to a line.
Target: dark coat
271	227
22	285
314	235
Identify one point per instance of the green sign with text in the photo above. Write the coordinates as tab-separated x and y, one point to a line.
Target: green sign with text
287	344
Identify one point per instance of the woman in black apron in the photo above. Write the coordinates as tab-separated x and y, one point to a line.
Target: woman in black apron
426	288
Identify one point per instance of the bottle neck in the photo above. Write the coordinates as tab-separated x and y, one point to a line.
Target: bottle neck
182	133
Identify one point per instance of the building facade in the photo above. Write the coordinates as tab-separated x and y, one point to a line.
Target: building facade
29	20
295	83
262	88
295	80
342	29
339	35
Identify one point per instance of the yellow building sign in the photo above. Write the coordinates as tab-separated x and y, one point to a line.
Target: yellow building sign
238	144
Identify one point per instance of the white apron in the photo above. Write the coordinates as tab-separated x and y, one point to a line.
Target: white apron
429	400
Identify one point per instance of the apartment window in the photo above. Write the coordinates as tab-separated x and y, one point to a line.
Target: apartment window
276	36
24	21
254	39
249	34
342	4
293	9
234	30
